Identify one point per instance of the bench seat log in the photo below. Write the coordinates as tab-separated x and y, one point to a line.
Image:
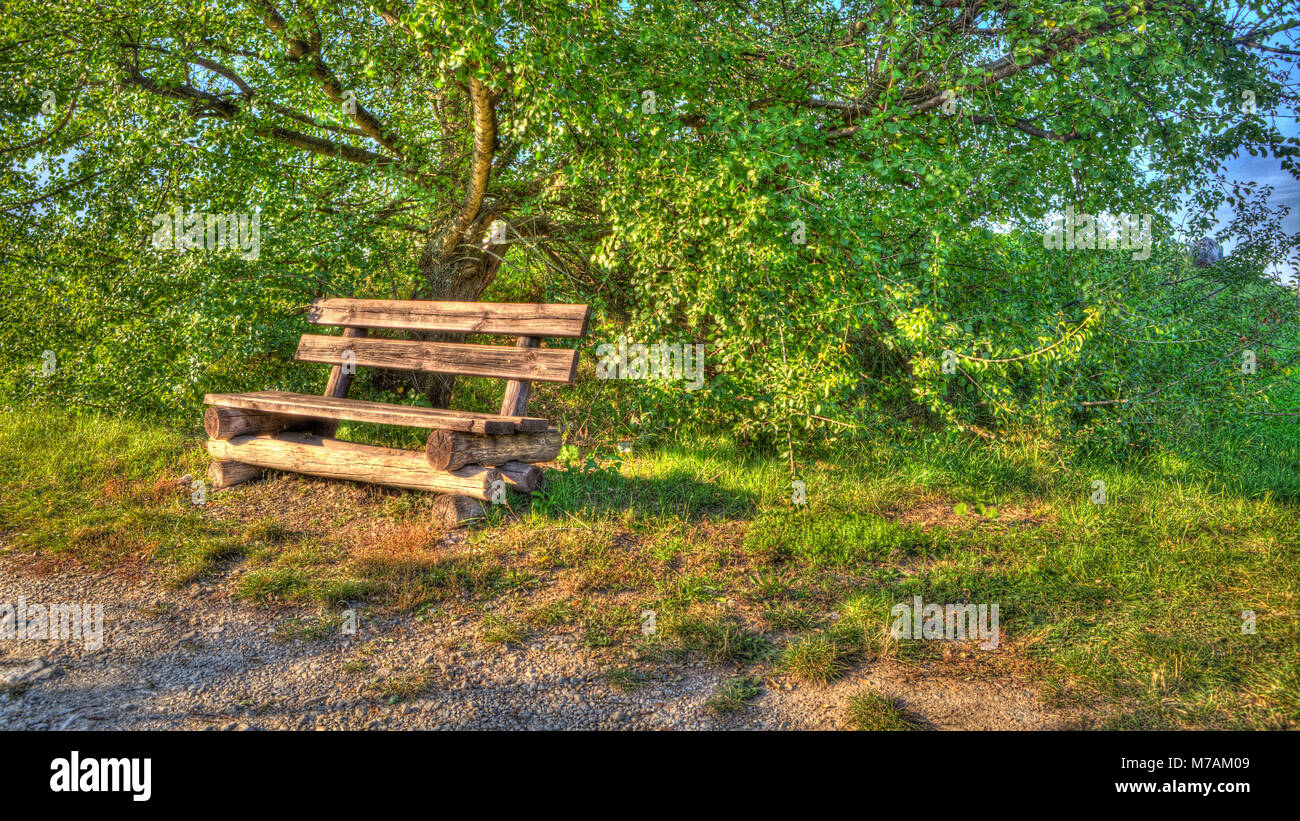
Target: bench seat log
532	364
336	459
227	423
449	449
360	410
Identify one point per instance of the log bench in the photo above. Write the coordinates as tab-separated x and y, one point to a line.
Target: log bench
468	456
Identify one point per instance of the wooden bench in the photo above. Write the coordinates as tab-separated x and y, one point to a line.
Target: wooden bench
470	456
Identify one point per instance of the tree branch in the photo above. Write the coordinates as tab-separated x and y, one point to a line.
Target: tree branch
222	109
485	138
309	53
1031	129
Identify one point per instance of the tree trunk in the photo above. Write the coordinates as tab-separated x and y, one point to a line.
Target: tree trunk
461	275
457	263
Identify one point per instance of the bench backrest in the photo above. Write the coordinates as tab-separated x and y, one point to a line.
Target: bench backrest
524	363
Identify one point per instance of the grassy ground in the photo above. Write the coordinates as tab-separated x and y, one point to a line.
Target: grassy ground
1130	610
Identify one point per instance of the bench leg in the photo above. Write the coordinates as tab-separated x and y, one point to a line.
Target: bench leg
454	510
340	382
515	402
223	474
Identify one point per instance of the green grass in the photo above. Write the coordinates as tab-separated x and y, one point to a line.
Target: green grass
1134	607
267	532
105	492
495	629
816	658
626	678
553	614
871	711
733	694
718	638
307	627
403	686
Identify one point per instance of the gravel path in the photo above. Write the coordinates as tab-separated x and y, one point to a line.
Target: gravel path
198	659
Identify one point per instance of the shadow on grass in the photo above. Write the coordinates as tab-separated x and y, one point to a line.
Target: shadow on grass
604	492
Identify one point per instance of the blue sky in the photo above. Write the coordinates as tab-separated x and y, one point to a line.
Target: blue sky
1268	170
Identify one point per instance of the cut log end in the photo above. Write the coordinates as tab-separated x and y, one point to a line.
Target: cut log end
223	474
454	510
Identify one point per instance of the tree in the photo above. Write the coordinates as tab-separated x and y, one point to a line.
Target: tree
763	175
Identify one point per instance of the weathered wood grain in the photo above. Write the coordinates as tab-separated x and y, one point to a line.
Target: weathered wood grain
360	410
227	423
521	477
337	387
228	474
449	449
508	318
515	401
336	459
533	364
454	510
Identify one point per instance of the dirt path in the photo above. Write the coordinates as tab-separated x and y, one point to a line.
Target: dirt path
197	659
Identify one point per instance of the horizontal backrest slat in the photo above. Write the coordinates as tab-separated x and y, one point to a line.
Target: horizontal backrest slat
508	318
532	364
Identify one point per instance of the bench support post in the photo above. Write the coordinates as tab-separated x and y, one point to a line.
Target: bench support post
515	402
338	385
